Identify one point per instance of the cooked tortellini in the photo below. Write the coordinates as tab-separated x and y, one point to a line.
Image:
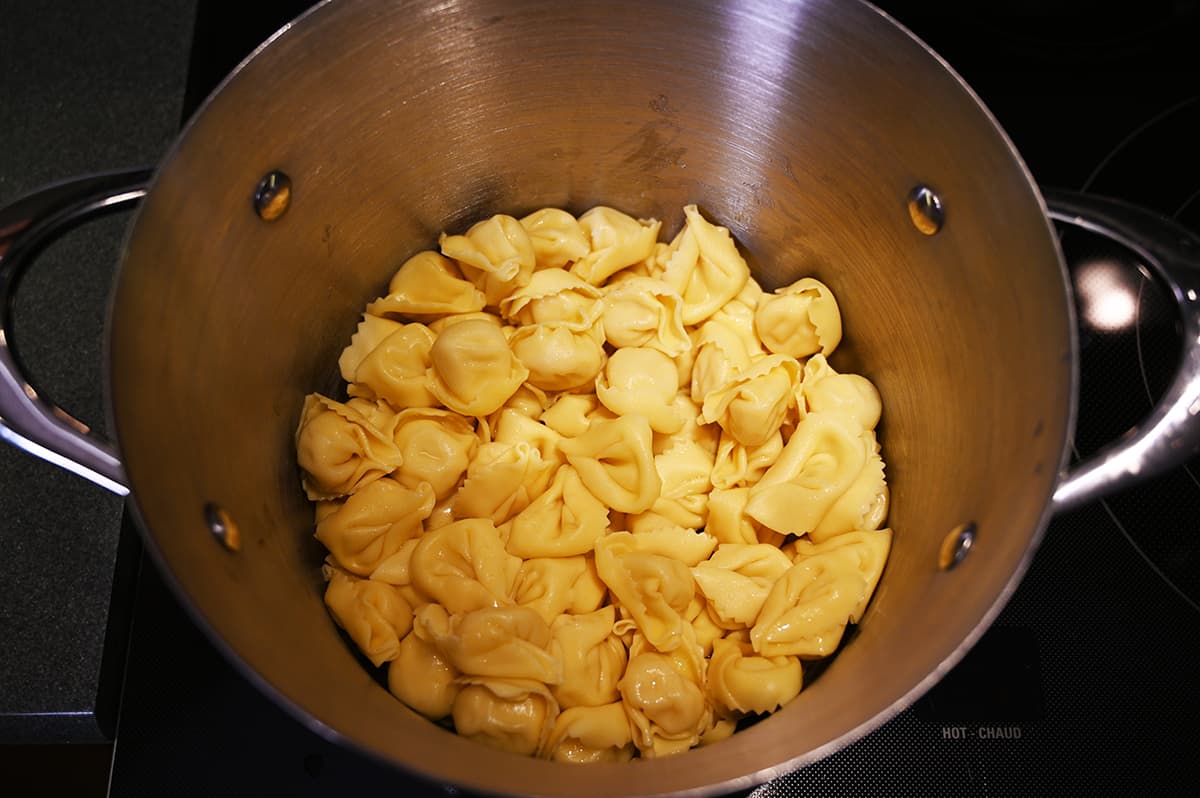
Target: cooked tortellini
503	480
558	357
584	734
665	701
705	267
497	255
554	296
641	382
374	523
642	311
340	449
593	658
472	369
799	320
514	715
591	496
752	405
615	461
616	241
736	579
388	360
374	614
428	285
557	237
463	566
436	447
500	642
564	521
552	586
739	681
807	609
420	677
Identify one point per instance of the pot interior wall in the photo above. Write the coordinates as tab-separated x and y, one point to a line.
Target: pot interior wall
802	127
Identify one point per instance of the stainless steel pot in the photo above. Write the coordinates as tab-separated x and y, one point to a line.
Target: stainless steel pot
827	138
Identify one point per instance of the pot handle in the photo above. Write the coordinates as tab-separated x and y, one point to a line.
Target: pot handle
1170	435
28	419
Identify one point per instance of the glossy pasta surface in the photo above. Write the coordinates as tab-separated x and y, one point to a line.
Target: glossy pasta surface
594	496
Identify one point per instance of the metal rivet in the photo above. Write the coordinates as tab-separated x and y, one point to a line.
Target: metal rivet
956	545
272	195
222	527
925	209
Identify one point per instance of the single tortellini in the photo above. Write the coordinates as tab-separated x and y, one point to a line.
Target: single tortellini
503	480
799	320
422	678
616	241
655	589
559	357
864	505
563	521
864	551
340	450
807	609
464	567
551	586
853	395
388	360
554	296
752	406
666	705
704	267
741	682
437	447
557	237
644	312
720	357
374	614
514	715
686	474
374	523
428	286
496	255
736	579
502	642
616	463
472	371
737	465
593	658
585	734
824	456
642	382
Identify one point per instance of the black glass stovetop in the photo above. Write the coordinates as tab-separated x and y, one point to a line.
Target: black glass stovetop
1086	684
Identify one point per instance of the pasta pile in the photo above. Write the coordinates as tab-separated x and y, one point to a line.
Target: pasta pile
592	495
